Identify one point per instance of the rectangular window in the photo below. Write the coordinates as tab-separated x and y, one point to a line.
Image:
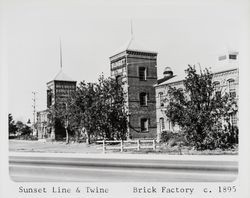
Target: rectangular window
234	119
233	56
232	94
142	73
161	99
232	89
144	124
49	98
143	99
222	57
218	94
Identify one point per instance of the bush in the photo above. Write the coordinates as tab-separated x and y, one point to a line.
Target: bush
27	137
166	135
173	139
226	138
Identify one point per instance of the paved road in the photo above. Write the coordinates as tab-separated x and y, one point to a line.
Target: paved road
58	169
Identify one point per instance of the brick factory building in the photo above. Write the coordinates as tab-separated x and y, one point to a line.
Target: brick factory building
225	79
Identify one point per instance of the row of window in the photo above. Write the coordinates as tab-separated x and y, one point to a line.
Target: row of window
65	86
142	72
231	87
233	119
64	91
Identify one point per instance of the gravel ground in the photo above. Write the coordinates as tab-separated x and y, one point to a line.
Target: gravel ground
52	147
61	147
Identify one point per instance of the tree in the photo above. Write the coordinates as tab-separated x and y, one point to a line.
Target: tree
64	112
12	125
20	125
26	130
83	111
98	108
58	119
111	106
198	110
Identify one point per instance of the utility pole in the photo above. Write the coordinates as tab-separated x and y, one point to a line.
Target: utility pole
34	111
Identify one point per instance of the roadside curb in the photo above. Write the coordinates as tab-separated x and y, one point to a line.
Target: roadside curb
130	156
231	166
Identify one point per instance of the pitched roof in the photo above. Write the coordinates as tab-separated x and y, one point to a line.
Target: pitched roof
182	75
175	78
61	76
132	45
224	68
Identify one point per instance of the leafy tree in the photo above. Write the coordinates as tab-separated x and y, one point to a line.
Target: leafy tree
26	130
12	125
83	111
198	110
98	109
111	107
58	119
20	125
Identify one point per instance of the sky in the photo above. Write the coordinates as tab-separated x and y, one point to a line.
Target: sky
182	32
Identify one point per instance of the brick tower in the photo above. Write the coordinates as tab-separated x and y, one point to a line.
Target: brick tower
58	91
136	67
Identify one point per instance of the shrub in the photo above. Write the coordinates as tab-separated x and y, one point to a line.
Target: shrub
27	137
173	139
166	135
226	138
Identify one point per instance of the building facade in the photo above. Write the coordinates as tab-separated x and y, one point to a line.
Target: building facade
136	68
42	124
225	79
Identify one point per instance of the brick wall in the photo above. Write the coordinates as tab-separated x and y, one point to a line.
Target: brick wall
136	86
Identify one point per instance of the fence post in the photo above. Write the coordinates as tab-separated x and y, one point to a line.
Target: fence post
154	145
138	145
103	146
121	145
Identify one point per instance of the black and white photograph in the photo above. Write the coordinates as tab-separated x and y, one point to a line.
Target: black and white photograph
124	98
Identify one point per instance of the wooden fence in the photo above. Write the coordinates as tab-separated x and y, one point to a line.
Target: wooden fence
127	144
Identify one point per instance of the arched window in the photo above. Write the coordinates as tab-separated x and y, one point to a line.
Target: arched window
231	87
161	99
162	124
180	89
143	99
217	89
